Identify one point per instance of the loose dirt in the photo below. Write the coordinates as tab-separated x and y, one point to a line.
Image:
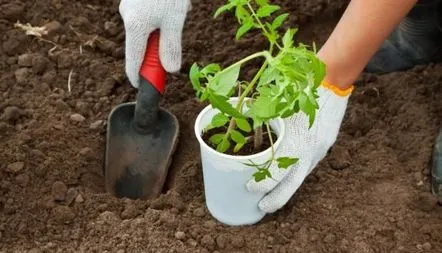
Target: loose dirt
371	193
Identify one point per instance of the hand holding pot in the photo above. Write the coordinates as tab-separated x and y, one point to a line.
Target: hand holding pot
308	145
141	17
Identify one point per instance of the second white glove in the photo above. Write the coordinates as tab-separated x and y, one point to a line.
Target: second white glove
308	145
141	17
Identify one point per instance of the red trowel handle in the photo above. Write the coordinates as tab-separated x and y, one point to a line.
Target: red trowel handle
151	68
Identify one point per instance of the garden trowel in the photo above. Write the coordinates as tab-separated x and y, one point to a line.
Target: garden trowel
141	136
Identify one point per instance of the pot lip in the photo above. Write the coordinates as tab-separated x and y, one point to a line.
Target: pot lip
234	157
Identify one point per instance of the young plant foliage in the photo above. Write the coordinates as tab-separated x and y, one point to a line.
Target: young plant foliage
285	84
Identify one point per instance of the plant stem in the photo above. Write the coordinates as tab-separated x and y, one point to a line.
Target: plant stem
259	22
271	140
253	82
257	139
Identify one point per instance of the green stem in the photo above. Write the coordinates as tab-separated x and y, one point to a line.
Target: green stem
248	58
253	82
260	23
271	140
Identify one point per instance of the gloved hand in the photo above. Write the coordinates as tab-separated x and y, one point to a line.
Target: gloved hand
140	18
308	145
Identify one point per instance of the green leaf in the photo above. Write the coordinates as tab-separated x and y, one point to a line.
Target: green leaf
268	76
247	26
219	120
223	146
237	136
216	138
278	21
210	69
264	107
242	14
223	9
285	162
267	10
262	2
287	40
220	103
261	175
195	77
243	124
224	82
238	147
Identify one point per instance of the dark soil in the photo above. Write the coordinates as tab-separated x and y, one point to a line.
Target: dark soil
371	193
248	148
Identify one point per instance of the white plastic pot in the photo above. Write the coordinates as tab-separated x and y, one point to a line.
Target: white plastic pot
225	176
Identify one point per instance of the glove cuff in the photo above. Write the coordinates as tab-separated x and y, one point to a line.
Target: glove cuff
335	89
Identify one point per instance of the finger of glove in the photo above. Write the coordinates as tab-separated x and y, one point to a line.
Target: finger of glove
136	42
281	194
293	145
170	42
268	184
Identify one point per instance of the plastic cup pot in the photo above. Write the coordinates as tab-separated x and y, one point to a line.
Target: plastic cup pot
225	176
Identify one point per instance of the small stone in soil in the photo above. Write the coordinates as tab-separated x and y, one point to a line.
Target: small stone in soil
12	113
426	246
59	190
199	212
111	28
86	151
21	75
77	117
96	124
22	179
39	64
15	167
238	241
221	241
71	195
25	60
180	235
53	27
63	214
339	158
330	238
79	199
208	242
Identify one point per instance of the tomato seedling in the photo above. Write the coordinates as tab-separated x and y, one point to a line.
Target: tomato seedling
285	84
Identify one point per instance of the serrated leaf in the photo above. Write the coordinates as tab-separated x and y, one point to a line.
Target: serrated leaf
245	27
223	146
237	136
278	21
219	120
220	103
223	9
244	125
261	175
267	10
287	39
285	162
242	14
216	138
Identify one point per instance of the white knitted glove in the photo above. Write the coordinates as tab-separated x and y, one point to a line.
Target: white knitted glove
308	145
140	18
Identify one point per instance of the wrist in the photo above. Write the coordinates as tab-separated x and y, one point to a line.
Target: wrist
337	89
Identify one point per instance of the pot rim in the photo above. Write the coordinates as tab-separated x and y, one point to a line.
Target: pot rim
235	157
